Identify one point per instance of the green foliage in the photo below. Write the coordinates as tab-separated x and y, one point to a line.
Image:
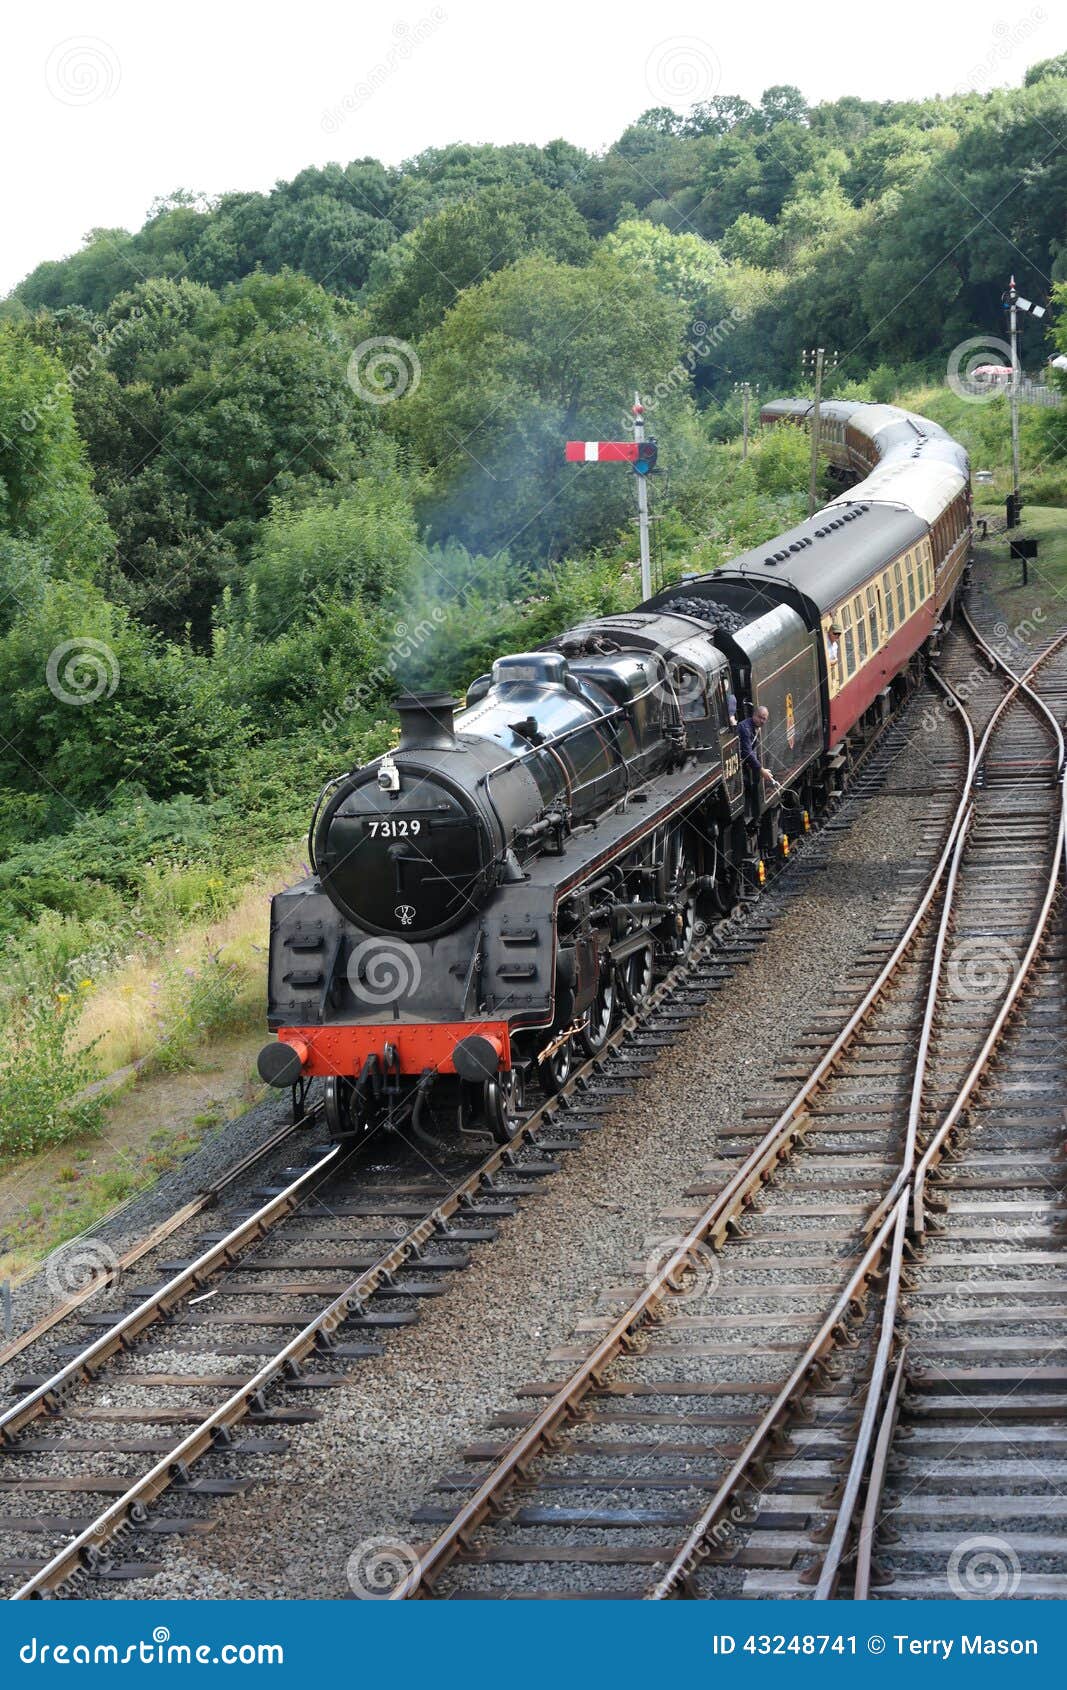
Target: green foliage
94	703
548	351
46	498
682	266
357	544
193	1005
425	272
41	1075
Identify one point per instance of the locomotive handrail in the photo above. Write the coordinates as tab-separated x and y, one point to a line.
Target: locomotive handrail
316	813
551	740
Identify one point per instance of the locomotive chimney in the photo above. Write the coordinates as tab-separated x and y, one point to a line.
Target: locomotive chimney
426	721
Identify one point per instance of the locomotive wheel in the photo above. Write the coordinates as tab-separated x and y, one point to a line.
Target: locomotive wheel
503	1100
682	875
638	973
341	1108
597	1030
555	1070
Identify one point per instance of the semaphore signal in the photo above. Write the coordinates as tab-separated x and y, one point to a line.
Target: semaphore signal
639	452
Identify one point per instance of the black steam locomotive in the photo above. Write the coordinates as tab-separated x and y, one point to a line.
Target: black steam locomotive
487	898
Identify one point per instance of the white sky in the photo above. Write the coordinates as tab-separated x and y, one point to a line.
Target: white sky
104	106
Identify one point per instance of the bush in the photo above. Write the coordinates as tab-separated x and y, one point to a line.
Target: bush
41	1076
100	704
194	1005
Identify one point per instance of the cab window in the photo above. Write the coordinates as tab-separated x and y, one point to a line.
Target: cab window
692	697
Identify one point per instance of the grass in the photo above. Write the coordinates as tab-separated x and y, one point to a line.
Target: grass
135	1014
179	1023
64	1192
1039	608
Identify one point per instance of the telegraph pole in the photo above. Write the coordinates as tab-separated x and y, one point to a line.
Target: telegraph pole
746	390
814	359
1013	317
642	504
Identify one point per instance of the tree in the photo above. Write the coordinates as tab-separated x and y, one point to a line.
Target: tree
752	240
466	242
202	410
96	703
46	496
717	116
1046	68
683	266
106	265
781	104
357	545
332	242
662	120
537	353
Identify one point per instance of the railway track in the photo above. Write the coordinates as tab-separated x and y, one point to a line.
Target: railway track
966	1494
189	1378
723	1417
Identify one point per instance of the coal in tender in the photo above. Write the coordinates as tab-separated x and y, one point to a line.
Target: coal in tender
707	610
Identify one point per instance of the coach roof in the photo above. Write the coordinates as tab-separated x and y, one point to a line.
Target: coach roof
834	552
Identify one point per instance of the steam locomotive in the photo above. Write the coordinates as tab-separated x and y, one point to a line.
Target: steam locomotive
487	898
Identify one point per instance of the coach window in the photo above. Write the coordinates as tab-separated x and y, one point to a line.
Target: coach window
909	564
850	641
861	627
899	579
887	603
872	618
